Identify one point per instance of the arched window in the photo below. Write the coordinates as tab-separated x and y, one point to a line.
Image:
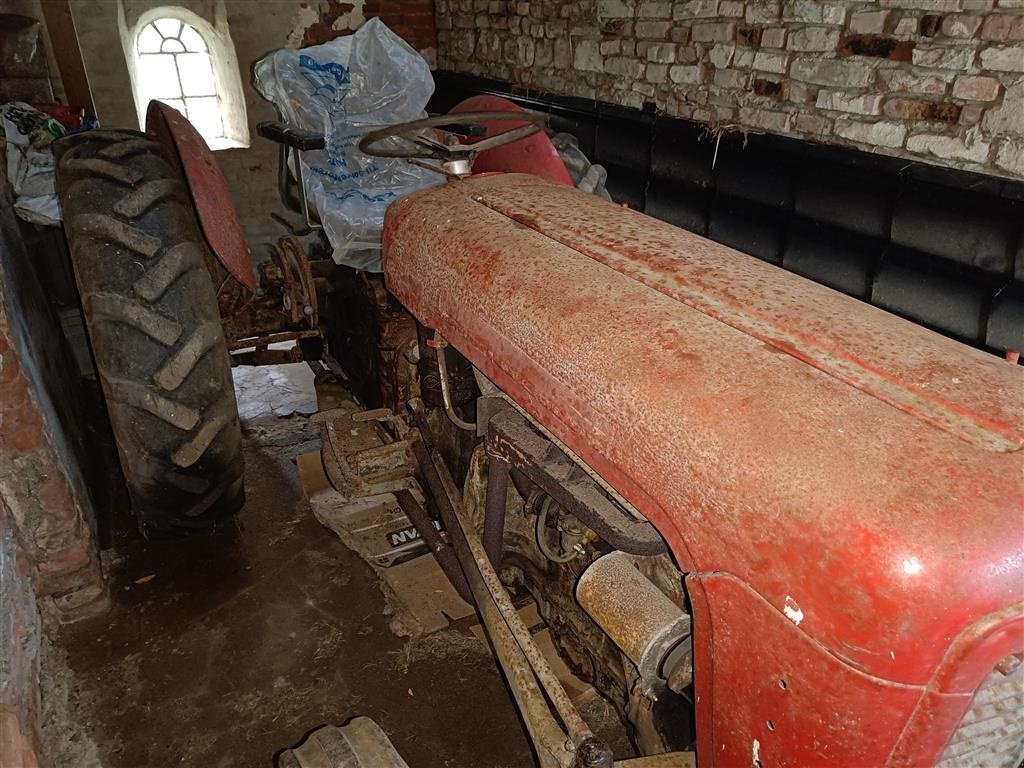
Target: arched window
191	66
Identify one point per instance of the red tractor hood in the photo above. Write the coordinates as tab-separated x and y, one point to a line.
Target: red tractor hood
861	473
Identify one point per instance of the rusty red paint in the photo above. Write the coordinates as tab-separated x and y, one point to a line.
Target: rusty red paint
209	189
857	475
534	154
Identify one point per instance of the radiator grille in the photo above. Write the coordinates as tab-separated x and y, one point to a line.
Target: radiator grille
991	734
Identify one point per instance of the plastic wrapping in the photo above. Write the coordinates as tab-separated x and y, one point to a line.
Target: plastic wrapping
30	164
345	88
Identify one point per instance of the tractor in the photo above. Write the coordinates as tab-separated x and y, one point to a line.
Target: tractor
774	525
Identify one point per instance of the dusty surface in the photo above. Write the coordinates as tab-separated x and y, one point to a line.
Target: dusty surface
280	390
221	651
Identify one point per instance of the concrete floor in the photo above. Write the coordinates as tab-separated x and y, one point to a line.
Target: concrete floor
221	651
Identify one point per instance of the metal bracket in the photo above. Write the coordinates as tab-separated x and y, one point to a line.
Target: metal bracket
510	439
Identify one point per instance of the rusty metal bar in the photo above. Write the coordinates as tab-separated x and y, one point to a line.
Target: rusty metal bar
446	394
510	438
266	340
473	550
554	748
442	551
494	508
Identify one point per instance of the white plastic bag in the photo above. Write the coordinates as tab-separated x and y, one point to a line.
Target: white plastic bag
345	88
30	165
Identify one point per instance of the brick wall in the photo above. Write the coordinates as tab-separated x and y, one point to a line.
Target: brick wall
20	632
41	483
936	80
412	20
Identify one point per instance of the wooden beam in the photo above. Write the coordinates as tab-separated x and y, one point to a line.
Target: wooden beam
64	42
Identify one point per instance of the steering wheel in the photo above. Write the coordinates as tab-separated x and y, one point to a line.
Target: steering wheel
456	157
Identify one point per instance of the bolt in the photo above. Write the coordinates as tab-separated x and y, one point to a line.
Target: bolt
594	754
1009	664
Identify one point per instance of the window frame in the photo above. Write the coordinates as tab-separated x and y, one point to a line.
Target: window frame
223	63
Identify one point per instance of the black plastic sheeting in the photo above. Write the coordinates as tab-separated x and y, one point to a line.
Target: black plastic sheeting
942	247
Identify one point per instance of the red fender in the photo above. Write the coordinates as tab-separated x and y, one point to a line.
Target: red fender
209	190
535	155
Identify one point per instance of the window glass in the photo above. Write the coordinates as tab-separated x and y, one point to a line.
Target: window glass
174	62
150	40
168	27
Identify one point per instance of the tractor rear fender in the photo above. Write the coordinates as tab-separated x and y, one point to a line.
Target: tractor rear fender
208	188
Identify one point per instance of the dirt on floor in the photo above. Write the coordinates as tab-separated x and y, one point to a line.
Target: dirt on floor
222	650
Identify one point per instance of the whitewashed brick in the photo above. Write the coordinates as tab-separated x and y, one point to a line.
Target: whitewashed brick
869	22
1010	156
934	6
731	78
1008	58
771	61
710	32
963	26
901	81
762	12
695	9
563	53
614	9
801	93
880	134
949	147
544	56
586	56
814	12
652	30
623	67
657	73
860	104
1006	119
907	26
662	53
942	57
813	39
684	74
851	74
721	55
976	88
813	124
744	58
649	9
773	37
731	8
776	122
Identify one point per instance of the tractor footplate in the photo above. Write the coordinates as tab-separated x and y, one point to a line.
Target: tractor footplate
366	453
367	458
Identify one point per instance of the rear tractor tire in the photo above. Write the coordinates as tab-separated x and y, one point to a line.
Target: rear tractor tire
151	310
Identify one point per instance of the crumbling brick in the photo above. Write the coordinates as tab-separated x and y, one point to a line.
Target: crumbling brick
770	88
877	46
837	65
919	110
751	36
